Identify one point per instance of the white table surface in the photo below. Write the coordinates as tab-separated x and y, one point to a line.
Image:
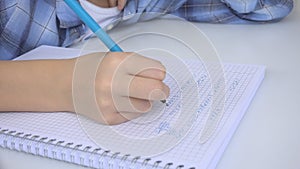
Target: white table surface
269	134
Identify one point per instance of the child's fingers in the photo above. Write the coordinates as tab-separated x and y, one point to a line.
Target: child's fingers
153	74
120	109
121	4
132	105
144	88
142	66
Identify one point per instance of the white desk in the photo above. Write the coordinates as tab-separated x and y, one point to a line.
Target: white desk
268	136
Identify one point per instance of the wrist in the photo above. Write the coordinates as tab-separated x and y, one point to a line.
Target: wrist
63	85
36	85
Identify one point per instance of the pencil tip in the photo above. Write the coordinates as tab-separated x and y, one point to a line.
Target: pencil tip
164	102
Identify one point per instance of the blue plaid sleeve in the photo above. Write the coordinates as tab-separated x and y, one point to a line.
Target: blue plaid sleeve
232	11
26	24
211	11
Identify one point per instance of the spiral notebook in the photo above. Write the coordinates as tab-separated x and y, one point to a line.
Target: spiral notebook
60	136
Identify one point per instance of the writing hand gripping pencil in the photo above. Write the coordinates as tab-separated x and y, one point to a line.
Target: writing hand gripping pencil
126	83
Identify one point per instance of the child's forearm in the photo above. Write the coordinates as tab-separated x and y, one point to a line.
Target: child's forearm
125	85
40	85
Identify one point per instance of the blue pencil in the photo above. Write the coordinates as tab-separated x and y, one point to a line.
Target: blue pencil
93	25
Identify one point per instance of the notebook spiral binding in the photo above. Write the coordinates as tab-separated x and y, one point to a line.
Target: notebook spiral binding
68	152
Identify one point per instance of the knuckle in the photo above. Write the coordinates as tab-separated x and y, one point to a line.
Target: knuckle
162	67
103	87
105	106
162	74
160	90
114	58
114	61
158	85
120	60
155	90
146	107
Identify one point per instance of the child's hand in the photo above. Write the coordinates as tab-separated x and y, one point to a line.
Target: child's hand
125	86
119	3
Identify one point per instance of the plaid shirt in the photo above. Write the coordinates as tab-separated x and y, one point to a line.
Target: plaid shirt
26	24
